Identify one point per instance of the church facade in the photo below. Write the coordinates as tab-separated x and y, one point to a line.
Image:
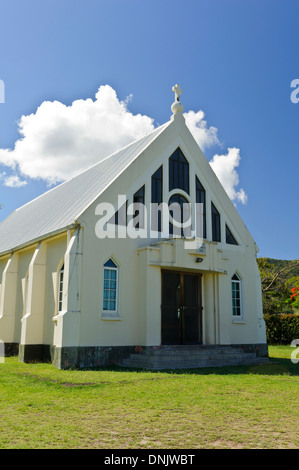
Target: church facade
143	250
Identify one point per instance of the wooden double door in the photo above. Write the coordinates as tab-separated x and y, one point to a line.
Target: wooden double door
181	308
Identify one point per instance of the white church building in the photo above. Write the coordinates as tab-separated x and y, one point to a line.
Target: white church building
140	260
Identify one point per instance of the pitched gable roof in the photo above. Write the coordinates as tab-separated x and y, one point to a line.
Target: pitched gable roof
58	209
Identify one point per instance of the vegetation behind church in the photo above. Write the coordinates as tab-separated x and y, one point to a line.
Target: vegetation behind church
280	281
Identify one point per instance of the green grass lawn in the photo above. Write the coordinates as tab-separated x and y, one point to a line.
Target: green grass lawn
234	407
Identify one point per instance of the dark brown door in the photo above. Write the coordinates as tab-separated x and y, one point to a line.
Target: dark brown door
181	308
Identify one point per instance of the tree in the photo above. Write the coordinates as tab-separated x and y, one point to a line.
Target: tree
277	278
294	298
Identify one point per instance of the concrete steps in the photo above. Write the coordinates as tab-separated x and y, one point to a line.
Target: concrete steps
186	357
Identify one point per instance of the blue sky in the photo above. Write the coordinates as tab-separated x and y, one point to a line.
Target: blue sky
234	59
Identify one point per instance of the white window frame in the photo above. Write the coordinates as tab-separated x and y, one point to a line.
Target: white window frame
59	290
111	314
238	282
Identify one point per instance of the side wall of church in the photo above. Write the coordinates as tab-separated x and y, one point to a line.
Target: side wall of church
28	299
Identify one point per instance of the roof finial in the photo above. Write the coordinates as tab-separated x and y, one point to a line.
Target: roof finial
178	91
177	106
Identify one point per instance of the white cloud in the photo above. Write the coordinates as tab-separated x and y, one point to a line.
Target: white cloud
223	165
13	181
225	168
204	136
58	141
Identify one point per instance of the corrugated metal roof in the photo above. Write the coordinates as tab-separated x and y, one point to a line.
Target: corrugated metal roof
58	208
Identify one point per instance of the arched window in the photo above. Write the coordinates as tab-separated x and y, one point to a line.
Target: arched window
180	212
60	288
156	199
110	287
237	308
157	186
178	171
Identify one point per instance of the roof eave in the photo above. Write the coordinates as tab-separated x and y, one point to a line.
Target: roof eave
39	239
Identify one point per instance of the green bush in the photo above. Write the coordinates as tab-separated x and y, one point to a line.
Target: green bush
282	328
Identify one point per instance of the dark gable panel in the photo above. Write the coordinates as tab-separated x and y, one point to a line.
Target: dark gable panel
178	171
201	199
216	227
230	239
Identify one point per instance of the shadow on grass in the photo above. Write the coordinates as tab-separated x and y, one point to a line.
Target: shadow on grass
275	366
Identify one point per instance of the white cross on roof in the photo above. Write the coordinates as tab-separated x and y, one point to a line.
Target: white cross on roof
178	91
